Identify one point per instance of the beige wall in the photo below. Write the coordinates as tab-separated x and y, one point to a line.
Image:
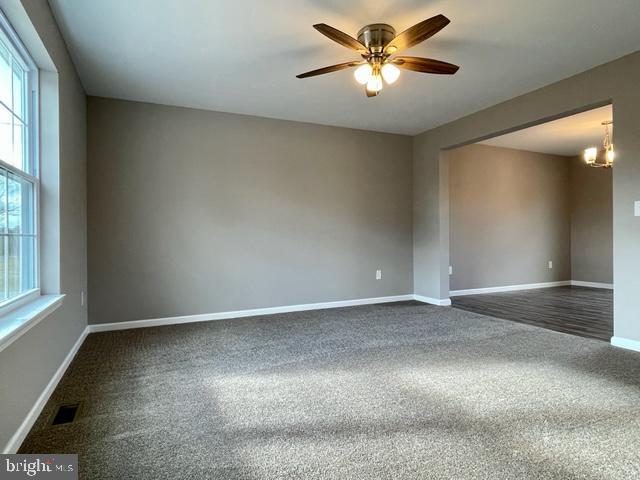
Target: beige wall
29	363
195	212
509	216
591	223
512	211
615	82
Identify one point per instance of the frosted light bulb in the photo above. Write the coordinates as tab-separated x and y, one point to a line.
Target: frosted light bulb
590	154
611	155
375	84
390	73
363	74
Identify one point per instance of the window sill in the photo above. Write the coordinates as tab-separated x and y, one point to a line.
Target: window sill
15	323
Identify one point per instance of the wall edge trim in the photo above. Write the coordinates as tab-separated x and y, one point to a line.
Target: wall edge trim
508	288
207	317
580	283
441	302
530	286
625	343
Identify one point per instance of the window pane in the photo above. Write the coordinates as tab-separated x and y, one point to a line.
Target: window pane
17	239
13	140
5	76
17	265
20	264
28	263
14	111
19	205
13	265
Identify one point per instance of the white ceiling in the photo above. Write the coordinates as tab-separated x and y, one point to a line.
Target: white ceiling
242	56
567	136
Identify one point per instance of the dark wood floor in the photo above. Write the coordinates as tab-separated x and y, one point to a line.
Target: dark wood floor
587	312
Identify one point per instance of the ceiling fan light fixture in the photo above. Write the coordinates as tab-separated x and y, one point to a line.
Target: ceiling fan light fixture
363	74
375	83
601	158
611	155
590	155
376	43
390	73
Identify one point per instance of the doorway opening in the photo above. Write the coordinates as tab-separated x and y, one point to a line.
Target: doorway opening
531	227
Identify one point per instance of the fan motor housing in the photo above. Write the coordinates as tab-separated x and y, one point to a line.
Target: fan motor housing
376	36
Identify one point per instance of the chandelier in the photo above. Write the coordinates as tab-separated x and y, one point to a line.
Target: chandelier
605	157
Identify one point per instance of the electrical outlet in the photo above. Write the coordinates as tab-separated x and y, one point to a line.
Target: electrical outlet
450	270
550	264
378	274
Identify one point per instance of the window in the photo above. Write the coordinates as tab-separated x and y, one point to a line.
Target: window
19	185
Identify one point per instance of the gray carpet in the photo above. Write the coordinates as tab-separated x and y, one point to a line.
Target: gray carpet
392	391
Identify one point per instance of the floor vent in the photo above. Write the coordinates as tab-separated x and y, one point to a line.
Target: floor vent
66	413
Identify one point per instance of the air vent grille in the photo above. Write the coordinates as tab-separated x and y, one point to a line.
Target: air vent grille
66	413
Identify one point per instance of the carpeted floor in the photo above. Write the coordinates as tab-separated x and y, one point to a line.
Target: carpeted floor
395	391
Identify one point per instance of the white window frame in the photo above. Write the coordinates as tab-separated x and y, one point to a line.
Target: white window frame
12	42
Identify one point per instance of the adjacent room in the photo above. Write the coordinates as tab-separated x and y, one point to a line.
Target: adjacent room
531	225
319	240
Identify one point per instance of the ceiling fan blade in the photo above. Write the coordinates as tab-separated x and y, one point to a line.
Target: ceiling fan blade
416	34
332	68
341	37
425	65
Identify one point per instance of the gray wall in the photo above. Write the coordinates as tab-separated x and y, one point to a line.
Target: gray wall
196	212
28	364
591	223
511	211
615	82
509	216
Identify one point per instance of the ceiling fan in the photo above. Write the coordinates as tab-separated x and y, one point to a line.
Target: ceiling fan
377	43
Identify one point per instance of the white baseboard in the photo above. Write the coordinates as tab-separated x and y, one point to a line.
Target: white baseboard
18	437
155	322
580	283
529	286
441	302
626	343
508	288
